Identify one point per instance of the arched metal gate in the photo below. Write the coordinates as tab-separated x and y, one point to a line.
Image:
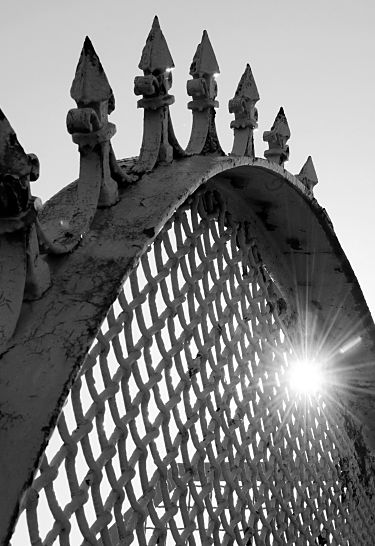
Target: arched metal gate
179	422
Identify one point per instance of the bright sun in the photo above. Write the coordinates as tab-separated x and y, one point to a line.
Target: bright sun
306	377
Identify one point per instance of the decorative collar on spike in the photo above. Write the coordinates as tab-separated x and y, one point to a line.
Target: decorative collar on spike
246	115
203	86
308	175
156	63
277	139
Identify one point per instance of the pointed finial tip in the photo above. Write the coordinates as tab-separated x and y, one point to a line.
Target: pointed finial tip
281	118
246	86
156	55
6	128
307	174
13	158
155	24
281	113
204	61
88	48
90	83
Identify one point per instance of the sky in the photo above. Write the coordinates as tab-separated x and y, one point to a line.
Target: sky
313	57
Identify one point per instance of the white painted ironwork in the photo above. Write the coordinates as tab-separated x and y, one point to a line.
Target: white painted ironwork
181	428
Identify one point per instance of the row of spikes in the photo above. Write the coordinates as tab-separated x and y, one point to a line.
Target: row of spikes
91	88
90	129
37	230
95	100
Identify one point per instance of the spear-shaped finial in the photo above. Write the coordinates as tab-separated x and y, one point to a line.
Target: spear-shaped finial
23	273
90	85
203	89
89	126
156	56
204	61
246	115
308	175
277	139
159	142
13	158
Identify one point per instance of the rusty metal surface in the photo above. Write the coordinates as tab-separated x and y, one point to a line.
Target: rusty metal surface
54	333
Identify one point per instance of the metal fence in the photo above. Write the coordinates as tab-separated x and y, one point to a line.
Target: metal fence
182	427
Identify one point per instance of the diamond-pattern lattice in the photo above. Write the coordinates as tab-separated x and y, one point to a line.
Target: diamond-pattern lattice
180	428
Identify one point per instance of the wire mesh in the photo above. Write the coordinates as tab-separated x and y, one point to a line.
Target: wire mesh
181	428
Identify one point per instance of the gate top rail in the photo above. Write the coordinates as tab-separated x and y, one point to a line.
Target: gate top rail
62	266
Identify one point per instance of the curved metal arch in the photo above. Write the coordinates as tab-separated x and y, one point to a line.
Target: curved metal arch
294	236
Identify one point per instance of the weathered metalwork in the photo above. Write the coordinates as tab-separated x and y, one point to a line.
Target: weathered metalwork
307	174
24	232
179	425
159	142
277	138
203	89
88	124
246	114
23	273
